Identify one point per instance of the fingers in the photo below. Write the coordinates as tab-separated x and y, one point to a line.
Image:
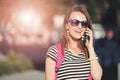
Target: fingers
89	32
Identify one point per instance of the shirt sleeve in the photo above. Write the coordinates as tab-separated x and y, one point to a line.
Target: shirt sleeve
52	53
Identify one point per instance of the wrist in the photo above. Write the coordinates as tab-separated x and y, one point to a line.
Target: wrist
93	58
92	55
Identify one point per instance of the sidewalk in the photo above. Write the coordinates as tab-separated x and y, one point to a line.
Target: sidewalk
28	75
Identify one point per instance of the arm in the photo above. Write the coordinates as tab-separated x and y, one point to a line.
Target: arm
96	69
50	69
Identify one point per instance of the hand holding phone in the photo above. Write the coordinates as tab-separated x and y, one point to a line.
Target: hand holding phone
86	36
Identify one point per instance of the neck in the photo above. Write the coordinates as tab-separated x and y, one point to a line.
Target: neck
74	43
75	46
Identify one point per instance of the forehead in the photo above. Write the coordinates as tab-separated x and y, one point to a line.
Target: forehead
77	15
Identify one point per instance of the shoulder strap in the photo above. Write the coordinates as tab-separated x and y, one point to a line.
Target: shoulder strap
59	60
60	56
90	77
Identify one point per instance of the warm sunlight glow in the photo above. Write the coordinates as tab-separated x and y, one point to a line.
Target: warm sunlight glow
29	27
26	17
27	21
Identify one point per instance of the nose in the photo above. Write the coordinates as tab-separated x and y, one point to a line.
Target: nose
79	26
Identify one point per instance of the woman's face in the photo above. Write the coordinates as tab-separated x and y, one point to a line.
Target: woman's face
75	27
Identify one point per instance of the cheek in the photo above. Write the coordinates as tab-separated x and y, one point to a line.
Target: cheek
84	31
75	34
71	31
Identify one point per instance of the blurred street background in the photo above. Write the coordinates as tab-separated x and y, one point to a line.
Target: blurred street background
29	27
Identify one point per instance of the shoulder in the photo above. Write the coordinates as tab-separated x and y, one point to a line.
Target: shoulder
52	48
52	52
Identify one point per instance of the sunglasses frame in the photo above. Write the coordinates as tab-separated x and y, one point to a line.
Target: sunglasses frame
76	23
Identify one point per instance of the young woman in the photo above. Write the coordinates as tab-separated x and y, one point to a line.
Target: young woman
80	59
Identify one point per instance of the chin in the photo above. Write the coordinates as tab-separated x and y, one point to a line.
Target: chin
77	37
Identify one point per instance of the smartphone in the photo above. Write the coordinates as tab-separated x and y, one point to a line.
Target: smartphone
86	37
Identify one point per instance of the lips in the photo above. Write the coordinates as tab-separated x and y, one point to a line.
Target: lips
78	31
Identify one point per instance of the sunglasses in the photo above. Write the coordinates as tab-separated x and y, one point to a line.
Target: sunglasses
76	22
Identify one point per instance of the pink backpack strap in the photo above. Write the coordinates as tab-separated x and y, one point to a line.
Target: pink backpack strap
59	59
90	77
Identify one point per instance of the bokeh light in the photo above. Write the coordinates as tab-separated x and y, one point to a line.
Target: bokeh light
26	17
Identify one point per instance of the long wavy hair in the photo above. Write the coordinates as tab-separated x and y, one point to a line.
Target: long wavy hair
76	8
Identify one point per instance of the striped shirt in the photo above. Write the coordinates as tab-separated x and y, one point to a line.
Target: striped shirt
73	67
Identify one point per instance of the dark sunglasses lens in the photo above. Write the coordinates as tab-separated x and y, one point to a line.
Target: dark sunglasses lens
74	22
84	24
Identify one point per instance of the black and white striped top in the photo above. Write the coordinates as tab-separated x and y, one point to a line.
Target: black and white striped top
73	67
